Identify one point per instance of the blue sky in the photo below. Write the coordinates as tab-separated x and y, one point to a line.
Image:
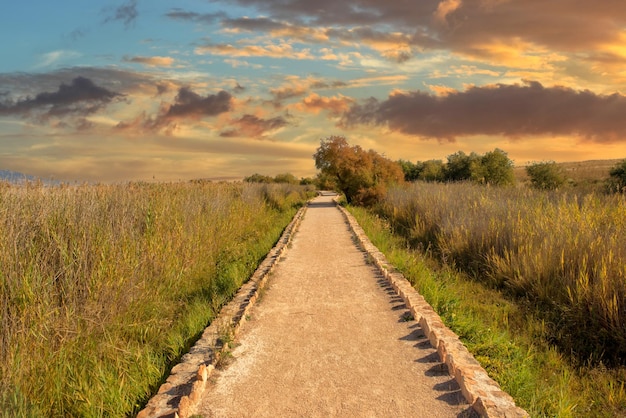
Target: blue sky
137	89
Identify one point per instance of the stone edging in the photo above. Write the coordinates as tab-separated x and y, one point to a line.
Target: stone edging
179	395
481	392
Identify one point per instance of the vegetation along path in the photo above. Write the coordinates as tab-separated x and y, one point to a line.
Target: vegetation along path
330	338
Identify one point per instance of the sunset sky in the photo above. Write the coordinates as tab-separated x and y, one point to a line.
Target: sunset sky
175	90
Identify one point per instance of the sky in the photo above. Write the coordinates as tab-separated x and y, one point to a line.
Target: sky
112	91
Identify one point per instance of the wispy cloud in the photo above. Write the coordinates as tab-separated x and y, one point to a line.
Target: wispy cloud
55	57
155	61
271	50
126	13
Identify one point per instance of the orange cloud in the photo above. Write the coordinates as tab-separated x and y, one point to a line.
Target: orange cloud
335	105
252	126
155	61
282	50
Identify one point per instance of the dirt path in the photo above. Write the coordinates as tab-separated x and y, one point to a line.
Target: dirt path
330	338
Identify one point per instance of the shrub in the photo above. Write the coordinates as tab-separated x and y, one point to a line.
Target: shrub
546	175
496	168
618	177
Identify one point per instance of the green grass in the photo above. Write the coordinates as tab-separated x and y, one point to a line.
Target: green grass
505	336
103	288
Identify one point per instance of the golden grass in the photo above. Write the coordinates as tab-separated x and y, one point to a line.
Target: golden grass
563	253
103	287
590	174
506	337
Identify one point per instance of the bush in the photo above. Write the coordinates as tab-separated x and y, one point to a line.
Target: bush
618	177
496	168
546	175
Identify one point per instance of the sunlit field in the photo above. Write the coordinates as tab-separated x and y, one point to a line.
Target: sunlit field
104	287
533	282
563	253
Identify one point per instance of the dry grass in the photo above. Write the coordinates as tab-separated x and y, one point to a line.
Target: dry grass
563	253
511	342
590	175
103	287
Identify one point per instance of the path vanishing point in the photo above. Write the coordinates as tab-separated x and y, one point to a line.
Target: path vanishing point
328	337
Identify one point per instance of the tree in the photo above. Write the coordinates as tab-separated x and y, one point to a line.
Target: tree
411	170
496	169
432	170
362	176
546	175
618	176
461	166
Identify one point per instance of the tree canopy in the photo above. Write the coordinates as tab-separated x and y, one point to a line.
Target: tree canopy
362	176
493	168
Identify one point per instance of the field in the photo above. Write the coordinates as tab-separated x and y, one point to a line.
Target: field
585	175
104	287
548	268
564	253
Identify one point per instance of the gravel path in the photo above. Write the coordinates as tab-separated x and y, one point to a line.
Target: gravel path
329	337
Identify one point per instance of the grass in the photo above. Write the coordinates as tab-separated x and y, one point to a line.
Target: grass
104	287
587	175
562	253
509	340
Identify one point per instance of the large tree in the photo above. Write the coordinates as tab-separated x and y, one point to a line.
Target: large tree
362	176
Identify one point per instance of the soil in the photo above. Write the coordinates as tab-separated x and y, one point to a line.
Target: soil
330	338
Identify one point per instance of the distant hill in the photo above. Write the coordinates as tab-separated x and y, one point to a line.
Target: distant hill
14	176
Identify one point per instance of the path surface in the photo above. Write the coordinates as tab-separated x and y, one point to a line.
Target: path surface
329	337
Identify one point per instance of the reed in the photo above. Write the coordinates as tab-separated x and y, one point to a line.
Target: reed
103	287
505	336
563	253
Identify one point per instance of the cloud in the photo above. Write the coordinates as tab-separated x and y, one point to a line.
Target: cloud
81	97
555	36
500	110
182	15
126	13
242	64
336	105
155	61
254	127
53	57
187	105
281	50
191	105
295	86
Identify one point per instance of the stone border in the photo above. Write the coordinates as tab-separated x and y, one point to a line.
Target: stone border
481	392
181	392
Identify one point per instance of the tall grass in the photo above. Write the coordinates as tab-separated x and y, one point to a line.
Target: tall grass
504	336
103	287
565	254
